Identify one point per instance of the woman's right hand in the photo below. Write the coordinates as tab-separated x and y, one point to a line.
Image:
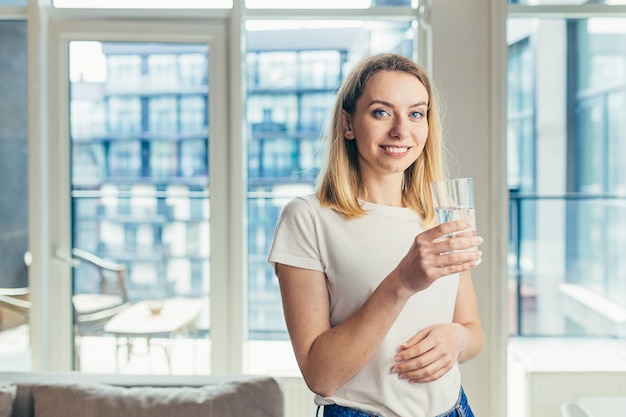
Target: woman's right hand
434	254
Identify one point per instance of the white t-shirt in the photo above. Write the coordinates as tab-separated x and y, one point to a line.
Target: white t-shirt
356	255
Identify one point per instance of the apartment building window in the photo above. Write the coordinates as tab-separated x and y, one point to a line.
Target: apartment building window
192	69
124	71
162	114
124	115
163	71
192	115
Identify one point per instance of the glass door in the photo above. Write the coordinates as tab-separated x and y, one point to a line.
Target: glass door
135	175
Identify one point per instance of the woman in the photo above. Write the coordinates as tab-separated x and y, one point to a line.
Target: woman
379	305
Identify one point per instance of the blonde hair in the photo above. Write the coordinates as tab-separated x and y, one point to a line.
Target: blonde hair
339	182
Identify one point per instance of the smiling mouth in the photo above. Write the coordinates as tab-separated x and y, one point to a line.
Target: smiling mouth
395	149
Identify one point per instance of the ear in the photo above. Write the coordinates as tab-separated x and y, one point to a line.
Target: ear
346	121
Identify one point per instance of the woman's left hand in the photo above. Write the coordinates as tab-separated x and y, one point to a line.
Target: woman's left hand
429	354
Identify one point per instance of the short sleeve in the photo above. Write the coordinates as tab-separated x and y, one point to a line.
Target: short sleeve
296	238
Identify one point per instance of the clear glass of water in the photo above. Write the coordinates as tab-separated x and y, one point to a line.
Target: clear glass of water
454	200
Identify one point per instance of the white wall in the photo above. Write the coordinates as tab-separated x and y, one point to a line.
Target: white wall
469	64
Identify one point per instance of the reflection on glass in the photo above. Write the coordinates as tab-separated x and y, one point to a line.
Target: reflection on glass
568	200
14	340
293	72
139	175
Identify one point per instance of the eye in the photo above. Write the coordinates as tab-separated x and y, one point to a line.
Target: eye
380	113
417	115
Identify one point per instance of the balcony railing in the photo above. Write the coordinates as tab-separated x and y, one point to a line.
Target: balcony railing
567	269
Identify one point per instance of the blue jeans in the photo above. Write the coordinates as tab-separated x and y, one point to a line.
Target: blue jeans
460	409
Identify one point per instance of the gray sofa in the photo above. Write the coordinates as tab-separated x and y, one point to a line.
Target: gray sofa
55	394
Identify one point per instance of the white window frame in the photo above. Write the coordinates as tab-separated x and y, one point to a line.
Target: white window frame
54	352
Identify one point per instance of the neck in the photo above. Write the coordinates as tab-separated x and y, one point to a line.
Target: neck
387	194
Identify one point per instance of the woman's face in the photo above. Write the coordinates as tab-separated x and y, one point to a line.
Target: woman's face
389	123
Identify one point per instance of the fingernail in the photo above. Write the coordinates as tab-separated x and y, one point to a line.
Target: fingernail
397	358
394	370
478	240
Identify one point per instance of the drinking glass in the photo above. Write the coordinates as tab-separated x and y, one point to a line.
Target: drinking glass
454	200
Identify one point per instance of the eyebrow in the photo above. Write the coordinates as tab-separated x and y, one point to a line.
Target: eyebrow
386	103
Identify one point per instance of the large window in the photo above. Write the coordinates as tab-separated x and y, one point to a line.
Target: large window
291	87
134	119
567	143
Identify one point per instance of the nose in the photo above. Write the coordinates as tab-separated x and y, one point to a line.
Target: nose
399	128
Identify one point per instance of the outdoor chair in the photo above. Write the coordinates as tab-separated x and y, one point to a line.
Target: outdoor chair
100	293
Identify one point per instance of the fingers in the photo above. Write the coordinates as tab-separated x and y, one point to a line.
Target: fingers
429	375
426	367
458	243
428	355
458	259
458	254
433	255
452	226
448	237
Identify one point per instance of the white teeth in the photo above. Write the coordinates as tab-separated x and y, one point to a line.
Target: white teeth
392	149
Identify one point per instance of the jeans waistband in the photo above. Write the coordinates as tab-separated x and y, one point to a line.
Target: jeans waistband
334	410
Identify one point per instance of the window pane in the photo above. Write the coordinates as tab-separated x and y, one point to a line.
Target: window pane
325	4
567	145
14	195
13	2
293	71
140	195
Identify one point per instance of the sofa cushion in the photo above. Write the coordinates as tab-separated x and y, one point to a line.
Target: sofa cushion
260	397
7	395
